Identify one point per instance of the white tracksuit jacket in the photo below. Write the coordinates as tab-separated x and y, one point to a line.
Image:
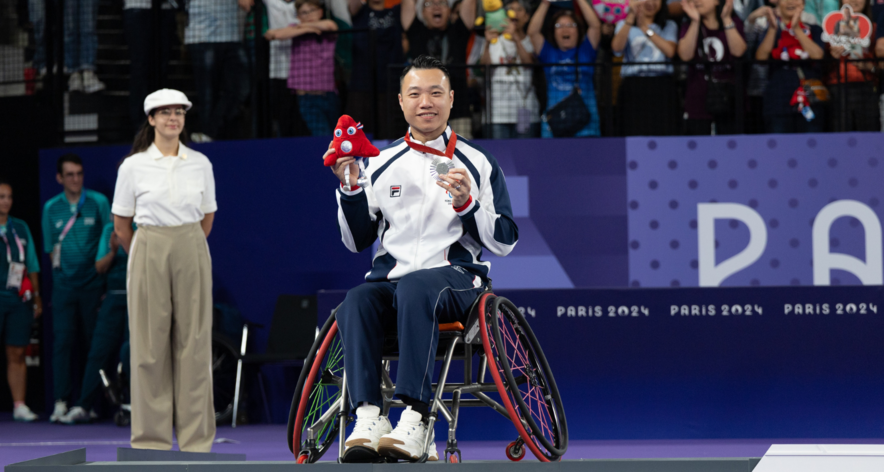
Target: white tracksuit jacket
414	219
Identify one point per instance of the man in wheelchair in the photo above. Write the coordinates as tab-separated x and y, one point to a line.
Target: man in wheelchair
434	200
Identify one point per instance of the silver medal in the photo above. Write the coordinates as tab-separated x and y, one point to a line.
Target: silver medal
441	165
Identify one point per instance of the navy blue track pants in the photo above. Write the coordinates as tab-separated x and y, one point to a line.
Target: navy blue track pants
413	307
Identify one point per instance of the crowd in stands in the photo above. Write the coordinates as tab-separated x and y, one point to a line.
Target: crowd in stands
681	67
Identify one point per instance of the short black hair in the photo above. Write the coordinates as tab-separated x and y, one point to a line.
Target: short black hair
69	157
423	63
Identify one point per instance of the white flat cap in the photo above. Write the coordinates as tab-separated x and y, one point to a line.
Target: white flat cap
164	97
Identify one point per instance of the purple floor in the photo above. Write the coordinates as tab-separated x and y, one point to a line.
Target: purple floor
21	442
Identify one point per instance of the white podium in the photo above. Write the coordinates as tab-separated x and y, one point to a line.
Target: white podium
822	458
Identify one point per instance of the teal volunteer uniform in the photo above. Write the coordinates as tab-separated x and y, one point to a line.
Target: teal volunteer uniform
16	316
112	326
76	285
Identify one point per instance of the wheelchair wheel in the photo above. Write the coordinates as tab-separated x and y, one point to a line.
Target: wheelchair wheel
224	360
524	380
318	388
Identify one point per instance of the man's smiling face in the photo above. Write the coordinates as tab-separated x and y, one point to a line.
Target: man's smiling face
426	99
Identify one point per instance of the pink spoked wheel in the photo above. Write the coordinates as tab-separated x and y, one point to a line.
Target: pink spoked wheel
317	390
524	380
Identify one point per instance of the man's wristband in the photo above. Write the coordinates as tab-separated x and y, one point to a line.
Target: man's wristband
464	206
730	26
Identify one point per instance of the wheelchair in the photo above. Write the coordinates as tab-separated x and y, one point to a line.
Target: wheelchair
224	375
495	331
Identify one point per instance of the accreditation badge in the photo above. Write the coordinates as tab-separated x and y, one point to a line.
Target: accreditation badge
56	256
15	276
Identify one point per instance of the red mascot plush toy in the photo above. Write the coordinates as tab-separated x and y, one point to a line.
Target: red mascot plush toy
788	46
350	141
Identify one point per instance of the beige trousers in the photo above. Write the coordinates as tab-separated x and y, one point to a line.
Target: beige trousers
170	326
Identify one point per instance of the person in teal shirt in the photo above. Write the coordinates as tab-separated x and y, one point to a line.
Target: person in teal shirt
72	226
112	327
16	316
821	8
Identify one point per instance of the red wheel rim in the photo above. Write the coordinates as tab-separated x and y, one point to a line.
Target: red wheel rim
501	387
514	339
308	386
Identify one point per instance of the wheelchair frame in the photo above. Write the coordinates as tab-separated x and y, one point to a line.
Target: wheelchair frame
475	333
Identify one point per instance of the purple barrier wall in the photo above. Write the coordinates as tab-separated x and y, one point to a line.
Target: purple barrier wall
780	184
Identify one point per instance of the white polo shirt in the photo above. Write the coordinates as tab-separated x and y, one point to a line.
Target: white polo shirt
165	190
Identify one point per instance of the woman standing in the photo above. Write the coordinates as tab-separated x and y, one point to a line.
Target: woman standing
712	39
569	41
19	266
854	84
312	65
787	42
169	191
648	99
515	111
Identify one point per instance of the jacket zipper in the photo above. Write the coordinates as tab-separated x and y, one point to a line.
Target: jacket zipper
421	227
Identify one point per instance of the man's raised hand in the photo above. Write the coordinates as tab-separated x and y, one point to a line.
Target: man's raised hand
341	164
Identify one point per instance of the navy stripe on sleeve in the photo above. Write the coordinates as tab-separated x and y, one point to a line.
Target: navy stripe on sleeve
505	229
477	178
363	229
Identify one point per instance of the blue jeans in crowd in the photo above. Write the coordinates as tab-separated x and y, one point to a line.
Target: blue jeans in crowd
220	72
320	112
80	39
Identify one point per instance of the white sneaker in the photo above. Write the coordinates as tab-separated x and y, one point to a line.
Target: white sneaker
362	444
75	415
91	84
75	82
201	138
61	409
407	440
23	414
